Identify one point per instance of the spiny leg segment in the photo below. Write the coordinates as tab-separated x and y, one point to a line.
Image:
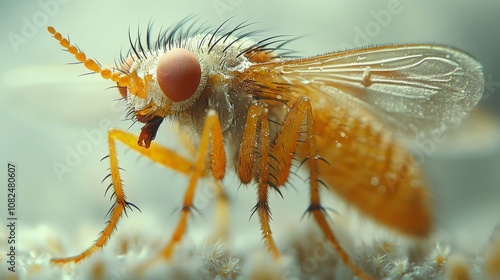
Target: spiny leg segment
222	200
157	154
211	143
300	111
255	144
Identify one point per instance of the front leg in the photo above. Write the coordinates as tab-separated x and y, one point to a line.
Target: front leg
156	153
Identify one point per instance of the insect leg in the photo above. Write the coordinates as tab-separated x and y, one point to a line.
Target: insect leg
251	148
211	144
157	154
222	202
303	110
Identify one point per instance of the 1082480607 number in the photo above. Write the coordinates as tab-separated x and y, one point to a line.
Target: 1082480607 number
248	104
11	189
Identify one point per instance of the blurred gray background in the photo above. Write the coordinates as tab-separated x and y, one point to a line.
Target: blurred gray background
48	111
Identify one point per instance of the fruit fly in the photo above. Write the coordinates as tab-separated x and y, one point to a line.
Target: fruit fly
249	107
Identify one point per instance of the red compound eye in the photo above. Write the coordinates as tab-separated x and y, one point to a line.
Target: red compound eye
178	74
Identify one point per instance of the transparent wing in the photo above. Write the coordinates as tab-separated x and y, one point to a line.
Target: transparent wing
413	89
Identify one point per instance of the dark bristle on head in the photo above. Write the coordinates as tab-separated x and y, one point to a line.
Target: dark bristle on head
148	35
175	36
